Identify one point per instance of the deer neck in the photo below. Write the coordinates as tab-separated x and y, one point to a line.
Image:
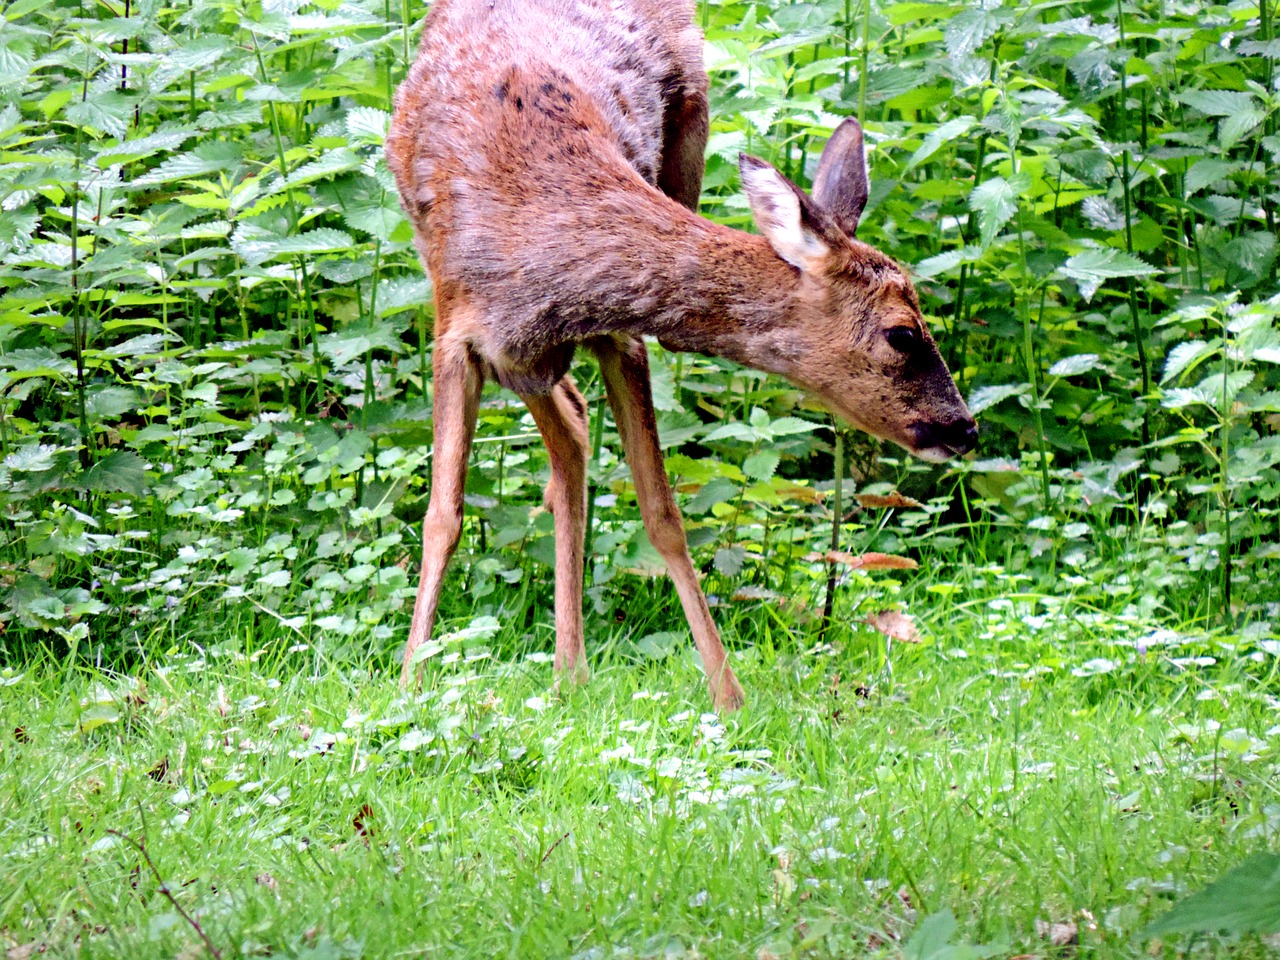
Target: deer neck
727	294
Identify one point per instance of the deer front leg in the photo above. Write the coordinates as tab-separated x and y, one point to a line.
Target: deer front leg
457	381
625	369
561	417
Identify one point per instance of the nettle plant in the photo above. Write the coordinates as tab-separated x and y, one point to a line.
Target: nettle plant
1220	382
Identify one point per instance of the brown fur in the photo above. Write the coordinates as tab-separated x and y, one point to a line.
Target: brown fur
550	153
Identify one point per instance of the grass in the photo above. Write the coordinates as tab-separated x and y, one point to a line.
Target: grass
1070	768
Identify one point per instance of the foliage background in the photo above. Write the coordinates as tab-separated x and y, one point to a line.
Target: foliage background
214	335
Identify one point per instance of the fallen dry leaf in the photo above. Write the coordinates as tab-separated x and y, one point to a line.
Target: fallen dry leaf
874	501
865	561
1058	934
895	625
362	821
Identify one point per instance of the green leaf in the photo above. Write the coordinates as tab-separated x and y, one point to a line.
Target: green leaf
368	125
257	246
403	293
107	112
659	646
996	201
1250	257
104	403
1208	172
121	471
324	167
377	217
1234	128
1219	103
1245	900
1214	391
1075	365
1186	355
1093	267
942	262
214	157
97	716
785	426
762	464
717	491
139	148
729	560
931	940
930	937
357	340
343	270
34	458
984	397
969	30
38	362
939	135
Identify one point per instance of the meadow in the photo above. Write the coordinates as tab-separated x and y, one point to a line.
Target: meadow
1044	731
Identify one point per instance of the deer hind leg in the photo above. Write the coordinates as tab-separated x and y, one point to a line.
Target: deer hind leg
458	380
625	369
561	417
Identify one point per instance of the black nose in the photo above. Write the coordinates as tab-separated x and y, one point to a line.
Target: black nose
959	436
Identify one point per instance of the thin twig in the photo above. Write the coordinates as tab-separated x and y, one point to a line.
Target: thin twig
164	889
552	849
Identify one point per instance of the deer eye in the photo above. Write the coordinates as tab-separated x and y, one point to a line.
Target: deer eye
902	339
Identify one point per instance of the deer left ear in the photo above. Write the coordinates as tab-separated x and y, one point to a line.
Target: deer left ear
796	229
841	185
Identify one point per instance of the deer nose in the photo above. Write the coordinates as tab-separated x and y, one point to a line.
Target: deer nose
959	435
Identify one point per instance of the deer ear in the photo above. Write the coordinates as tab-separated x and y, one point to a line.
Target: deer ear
794	227
841	184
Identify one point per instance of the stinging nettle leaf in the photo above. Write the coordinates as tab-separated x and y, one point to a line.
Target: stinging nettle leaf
938	136
257	246
1208	172
1184	356
1075	365
762	464
984	397
1234	128
969	30
729	560
1219	103
1093	267
996	201
368	125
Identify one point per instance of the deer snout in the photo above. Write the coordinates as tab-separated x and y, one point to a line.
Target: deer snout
941	440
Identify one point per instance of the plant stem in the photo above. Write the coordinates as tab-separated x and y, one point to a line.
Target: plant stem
837	514
1224	475
597	440
1139	335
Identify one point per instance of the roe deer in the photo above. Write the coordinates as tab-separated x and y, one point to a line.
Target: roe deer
550	156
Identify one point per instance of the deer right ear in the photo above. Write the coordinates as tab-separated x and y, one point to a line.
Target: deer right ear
841	184
785	215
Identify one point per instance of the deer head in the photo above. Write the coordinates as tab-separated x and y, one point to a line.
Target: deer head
859	341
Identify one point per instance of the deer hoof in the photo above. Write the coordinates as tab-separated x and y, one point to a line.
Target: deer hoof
572	675
728	696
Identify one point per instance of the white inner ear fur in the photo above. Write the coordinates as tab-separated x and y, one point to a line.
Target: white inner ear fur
776	209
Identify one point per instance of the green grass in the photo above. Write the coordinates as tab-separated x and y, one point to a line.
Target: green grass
296	805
